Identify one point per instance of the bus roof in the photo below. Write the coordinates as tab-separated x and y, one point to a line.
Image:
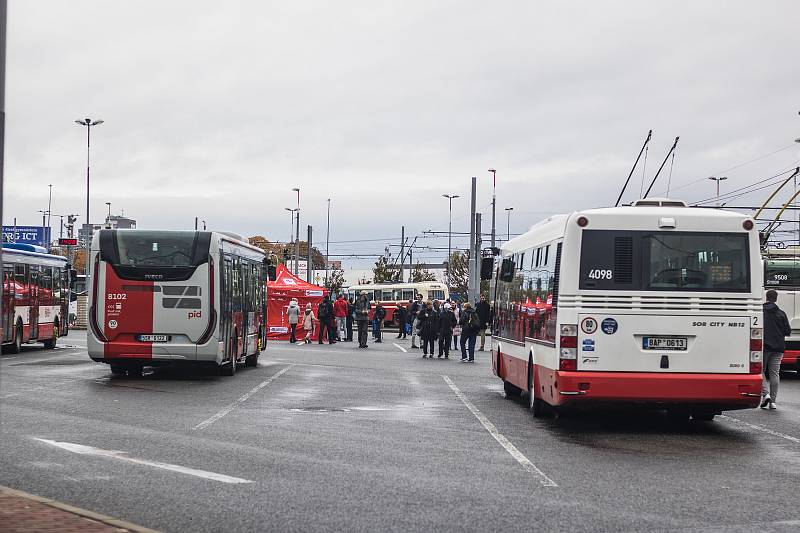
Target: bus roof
31	251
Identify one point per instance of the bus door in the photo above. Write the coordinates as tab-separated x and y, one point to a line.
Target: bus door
8	300
33	299
226	303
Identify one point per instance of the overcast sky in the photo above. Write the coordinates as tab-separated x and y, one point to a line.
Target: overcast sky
217	109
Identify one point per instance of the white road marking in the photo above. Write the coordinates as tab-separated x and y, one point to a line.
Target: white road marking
400	348
113	454
762	429
227	409
499	437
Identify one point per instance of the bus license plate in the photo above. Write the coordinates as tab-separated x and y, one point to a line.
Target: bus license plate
664	343
152	338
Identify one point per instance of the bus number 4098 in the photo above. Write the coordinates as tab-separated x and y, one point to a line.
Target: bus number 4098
600	274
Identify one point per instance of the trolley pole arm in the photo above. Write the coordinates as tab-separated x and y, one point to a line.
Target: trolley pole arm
661	167
776	191
780	213
649	135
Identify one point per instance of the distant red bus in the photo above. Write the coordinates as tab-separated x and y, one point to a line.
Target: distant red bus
35	296
392	294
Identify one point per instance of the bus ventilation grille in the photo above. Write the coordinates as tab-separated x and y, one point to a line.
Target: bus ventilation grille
623	259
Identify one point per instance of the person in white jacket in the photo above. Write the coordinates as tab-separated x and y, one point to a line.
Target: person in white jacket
293	313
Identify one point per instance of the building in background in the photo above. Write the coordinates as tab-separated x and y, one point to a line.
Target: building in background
112	222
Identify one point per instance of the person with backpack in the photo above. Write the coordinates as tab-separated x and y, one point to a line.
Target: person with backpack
470	323
325	313
776	329
293	314
484	312
380	314
447	321
362	317
351	314
400	317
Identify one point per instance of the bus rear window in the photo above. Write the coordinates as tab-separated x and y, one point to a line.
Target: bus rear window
664	261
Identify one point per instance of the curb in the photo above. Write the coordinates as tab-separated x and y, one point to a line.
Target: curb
97	517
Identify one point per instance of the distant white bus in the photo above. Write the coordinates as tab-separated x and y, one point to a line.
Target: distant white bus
656	304
392	294
782	273
164	297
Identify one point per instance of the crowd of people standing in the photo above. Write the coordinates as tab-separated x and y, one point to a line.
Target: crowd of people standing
435	327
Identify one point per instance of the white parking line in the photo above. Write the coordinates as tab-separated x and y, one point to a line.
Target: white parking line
400	348
499	437
762	429
205	423
113	454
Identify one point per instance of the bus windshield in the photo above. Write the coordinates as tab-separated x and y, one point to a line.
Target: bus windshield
664	261
783	272
156	248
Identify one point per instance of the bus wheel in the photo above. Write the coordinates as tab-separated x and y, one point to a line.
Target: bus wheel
49	344
230	368
511	389
118	370
135	371
534	404
16	346
251	360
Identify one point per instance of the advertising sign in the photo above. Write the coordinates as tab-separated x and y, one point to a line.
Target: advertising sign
27	235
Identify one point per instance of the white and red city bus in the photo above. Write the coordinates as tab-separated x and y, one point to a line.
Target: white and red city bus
656	304
162	297
35	296
782	273
391	294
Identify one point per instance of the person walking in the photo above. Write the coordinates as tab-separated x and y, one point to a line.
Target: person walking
293	314
380	314
351	309
483	311
308	323
362	317
400	317
326	320
776	328
469	330
340	313
414	310
447	321
428	318
457	329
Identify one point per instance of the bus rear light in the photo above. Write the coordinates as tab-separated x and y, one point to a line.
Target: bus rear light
756	345
568	365
569	342
756	350
569	330
568	348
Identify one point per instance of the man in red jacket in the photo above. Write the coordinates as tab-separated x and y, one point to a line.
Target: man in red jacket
340	312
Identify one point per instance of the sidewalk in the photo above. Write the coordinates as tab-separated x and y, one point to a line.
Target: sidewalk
22	512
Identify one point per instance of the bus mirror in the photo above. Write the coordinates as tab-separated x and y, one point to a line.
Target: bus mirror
487	265
507	270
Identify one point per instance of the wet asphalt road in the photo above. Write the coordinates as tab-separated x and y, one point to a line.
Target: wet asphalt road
321	438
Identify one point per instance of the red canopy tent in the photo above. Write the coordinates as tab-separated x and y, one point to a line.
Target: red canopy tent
279	293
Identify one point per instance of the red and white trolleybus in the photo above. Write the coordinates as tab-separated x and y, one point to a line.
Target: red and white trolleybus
35	296
655	304
165	297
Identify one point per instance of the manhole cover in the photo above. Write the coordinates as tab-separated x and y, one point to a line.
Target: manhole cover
320	410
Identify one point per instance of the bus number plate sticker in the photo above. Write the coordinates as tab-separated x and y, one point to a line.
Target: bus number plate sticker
152	338
665	343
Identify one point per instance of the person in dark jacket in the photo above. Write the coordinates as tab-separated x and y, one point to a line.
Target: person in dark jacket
351	310
469	323
326	320
447	321
362	317
378	317
400	317
484	312
776	328
428	319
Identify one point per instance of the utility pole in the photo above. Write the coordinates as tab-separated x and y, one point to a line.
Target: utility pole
471	247
195	223
450	235
476	254
88	123
508	223
494	201
308	259
402	250
49	214
327	242
297	233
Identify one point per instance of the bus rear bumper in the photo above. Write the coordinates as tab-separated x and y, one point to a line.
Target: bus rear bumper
713	391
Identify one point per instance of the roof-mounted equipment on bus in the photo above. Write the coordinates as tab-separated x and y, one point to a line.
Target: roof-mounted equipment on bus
659	202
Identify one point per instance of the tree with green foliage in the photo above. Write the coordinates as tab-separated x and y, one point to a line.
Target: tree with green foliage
335	281
422	274
381	271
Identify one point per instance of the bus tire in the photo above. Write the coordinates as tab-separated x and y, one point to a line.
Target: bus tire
135	371
511	390
230	368
118	370
16	345
534	404
49	344
251	360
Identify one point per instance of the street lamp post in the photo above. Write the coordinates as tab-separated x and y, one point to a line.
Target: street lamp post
49	211
297	235
714	178
88	123
327	242
44	217
508	223
494	201
291	223
450	235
